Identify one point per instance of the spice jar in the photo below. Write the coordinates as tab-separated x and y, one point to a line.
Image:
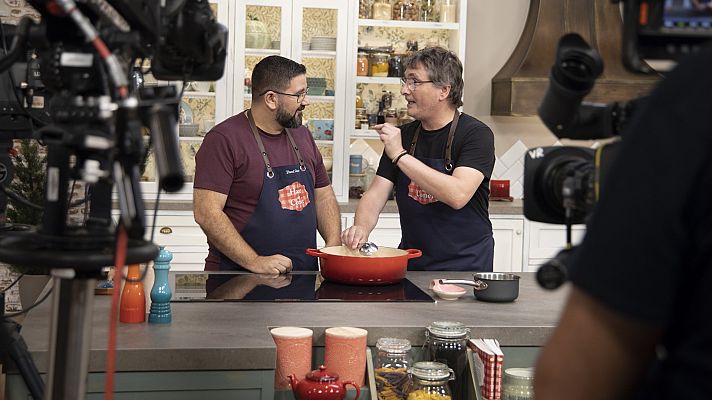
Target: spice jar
429	11
518	384
395	66
364	8
406	10
391	369
362	64
392	116
429	381
448	11
447	343
381	9
361	118
379	64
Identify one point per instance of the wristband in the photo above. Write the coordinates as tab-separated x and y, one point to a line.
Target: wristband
398	157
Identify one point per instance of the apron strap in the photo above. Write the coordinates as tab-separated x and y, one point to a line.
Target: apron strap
448	146
260	144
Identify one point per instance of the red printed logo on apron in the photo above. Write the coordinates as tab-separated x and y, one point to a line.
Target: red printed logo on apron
420	195
294	197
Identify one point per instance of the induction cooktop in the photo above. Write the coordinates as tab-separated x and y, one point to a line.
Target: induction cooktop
296	286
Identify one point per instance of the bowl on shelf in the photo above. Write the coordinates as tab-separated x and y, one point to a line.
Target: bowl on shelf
188	130
316	91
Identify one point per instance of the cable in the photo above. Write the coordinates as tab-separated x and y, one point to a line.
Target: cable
37	303
120	261
14	196
13	283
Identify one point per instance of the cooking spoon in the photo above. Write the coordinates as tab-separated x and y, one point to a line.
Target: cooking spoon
367	248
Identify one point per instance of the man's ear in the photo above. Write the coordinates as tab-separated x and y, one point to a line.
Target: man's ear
444	92
270	100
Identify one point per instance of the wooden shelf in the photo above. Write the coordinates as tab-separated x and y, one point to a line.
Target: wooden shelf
198	94
261	52
384	80
409	24
364	133
318	54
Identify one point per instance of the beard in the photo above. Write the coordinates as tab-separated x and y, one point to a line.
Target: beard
288	120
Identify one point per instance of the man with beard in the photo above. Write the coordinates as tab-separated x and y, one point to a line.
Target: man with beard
440	165
261	190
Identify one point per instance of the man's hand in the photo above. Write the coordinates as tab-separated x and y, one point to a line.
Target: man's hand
273	281
353	236
391	138
274	265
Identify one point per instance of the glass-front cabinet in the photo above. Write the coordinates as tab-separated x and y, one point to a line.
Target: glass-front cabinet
311	32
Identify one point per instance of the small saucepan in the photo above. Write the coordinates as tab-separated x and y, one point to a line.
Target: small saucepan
491	286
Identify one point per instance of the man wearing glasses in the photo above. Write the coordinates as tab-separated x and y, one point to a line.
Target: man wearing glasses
440	165
261	190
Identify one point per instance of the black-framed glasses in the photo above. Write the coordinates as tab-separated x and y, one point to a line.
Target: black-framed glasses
300	96
412	83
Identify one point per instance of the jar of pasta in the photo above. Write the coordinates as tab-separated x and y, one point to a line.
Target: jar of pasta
362	64
406	10
429	11
379	64
391	369
448	11
381	9
428	381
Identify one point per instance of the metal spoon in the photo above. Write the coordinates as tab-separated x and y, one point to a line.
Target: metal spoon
368	248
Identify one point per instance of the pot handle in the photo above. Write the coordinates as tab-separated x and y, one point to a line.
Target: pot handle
413	253
478	284
315	253
358	389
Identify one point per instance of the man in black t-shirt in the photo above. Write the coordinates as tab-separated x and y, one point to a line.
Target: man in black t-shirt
638	322
440	165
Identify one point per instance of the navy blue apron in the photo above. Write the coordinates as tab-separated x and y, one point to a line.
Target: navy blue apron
284	221
451	240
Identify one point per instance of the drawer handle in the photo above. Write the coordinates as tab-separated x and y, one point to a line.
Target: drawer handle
166	230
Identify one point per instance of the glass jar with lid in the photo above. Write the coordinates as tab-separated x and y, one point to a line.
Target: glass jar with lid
381	9
393	359
448	10
379	64
395	66
362	63
518	384
446	342
364	8
391	116
429	10
406	10
429	380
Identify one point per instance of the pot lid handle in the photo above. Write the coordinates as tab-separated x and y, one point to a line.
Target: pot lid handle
322	375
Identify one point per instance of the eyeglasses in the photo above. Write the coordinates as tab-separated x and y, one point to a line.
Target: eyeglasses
300	96
412	83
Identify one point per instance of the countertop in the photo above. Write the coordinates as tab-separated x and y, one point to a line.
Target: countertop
495	207
235	336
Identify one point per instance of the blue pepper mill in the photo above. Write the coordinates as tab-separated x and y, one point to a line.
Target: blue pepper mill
161	292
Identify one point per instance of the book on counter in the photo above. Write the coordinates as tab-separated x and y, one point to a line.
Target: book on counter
492	360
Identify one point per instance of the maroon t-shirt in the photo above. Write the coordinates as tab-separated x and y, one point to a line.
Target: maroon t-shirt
229	162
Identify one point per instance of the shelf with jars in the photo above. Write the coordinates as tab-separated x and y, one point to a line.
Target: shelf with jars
409	24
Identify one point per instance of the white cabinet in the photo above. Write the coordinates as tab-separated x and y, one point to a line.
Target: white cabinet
387	231
508	243
546	240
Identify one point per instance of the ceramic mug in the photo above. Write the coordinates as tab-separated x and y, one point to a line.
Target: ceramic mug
345	353
294	353
357	164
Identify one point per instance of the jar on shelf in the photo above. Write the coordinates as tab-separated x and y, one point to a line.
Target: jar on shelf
406	10
381	9
518	384
361	118
395	66
429	11
379	64
429	380
364	8
362	64
393	359
446	342
392	116
448	10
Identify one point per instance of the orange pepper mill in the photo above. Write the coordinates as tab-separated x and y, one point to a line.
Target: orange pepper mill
133	299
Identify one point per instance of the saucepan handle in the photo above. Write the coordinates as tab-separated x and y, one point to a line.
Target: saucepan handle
315	252
478	284
413	253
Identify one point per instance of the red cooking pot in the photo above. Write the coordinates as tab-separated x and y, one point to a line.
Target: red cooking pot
344	265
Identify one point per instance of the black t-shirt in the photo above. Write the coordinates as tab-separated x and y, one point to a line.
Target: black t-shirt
472	146
648	249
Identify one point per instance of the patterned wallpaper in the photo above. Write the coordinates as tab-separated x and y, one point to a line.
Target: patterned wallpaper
319	22
270	16
397	37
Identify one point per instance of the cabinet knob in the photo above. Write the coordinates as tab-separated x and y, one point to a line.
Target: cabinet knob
166	230
518	231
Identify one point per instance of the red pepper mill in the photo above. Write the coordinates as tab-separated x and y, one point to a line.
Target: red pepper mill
133	299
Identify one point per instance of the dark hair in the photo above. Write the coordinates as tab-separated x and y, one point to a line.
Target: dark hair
443	67
275	73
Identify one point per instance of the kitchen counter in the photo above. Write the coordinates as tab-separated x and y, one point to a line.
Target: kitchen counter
495	207
235	335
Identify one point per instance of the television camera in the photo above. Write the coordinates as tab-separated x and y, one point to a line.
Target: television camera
562	183
70	81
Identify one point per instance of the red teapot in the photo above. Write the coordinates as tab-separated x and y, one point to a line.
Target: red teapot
321	385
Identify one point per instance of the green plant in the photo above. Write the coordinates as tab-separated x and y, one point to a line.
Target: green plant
29	182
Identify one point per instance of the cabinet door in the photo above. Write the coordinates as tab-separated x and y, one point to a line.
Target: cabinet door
203	105
546	240
387	231
508	242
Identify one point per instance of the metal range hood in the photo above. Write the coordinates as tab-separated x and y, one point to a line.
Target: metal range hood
519	86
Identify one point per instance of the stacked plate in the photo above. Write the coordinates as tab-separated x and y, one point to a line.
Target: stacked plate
322	43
